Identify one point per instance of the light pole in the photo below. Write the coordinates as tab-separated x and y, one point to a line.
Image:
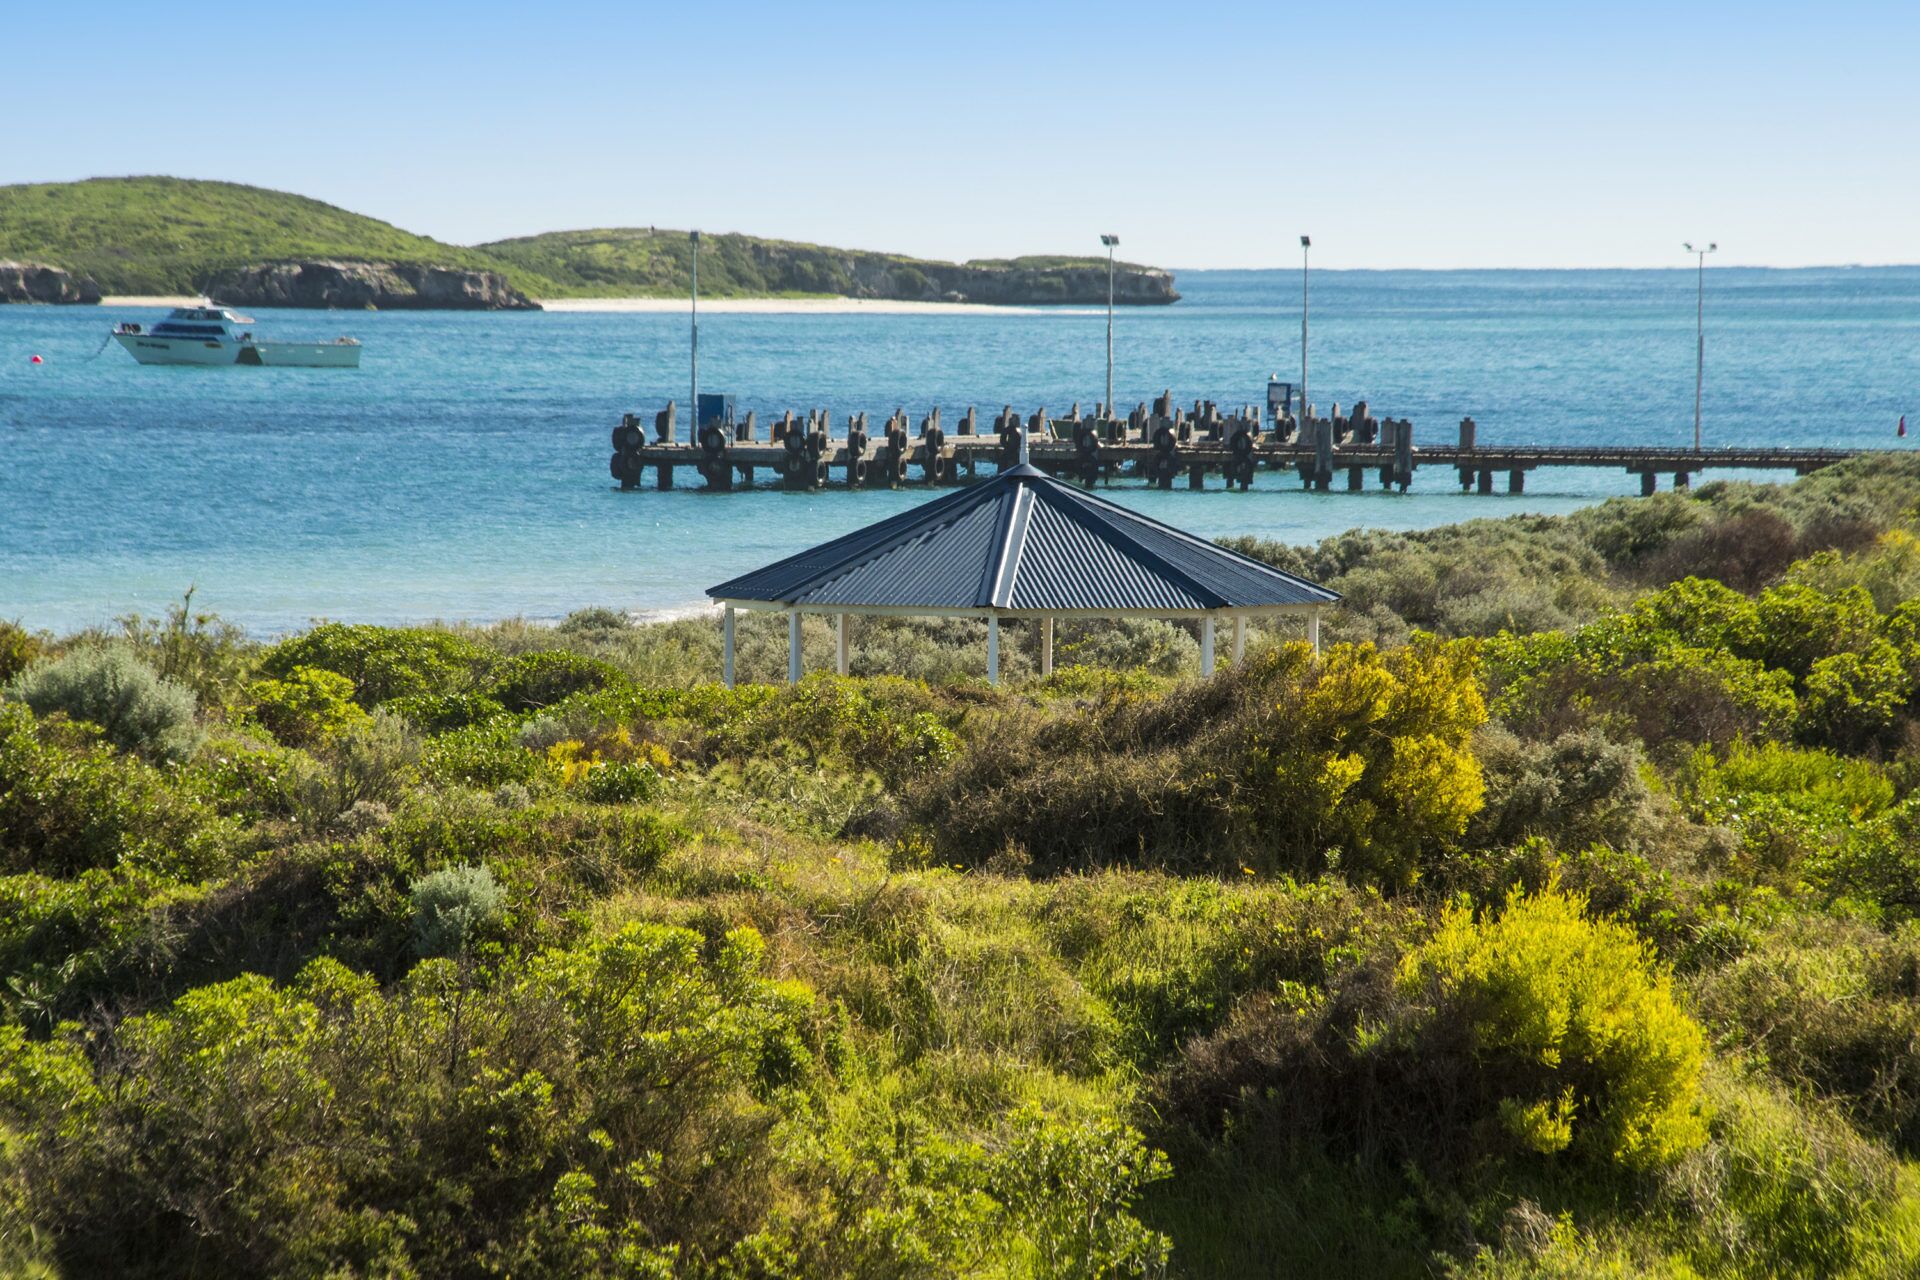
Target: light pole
1700	337
693	394
1110	242
1306	243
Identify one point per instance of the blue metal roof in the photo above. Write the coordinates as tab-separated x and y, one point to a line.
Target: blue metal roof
1022	542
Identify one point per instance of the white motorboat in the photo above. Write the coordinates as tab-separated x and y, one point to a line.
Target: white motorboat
212	335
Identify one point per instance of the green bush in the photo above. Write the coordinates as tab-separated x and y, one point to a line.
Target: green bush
604	1111
309	706
1577	790
384	662
109	687
536	680
441	712
19	648
1361	761
68	804
452	907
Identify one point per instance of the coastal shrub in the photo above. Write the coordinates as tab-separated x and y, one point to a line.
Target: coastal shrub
610	1104
69	803
383	662
309	706
1577	790
890	726
1831	1006
1854	700
202	651
1744	551
373	760
70	946
1362	761
251	780
1510	1043
1630	680
1575	1017
489	754
440	712
535	680
452	907
1786	1188
19	648
135	709
1067	1186
1887	569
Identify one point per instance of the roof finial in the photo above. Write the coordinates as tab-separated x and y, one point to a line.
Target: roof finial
1023	445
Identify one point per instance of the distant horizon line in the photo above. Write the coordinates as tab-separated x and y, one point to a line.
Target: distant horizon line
1294	269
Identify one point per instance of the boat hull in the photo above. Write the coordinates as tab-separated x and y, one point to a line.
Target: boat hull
148	349
305	355
151	350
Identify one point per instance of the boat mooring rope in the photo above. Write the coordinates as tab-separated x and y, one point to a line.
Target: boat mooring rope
100	350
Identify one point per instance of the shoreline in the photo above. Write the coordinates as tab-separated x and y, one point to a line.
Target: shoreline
733	306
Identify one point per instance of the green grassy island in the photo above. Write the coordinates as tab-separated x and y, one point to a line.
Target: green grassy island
1560	921
158	235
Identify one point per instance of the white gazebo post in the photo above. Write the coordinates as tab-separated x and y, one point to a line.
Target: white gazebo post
843	652
726	646
793	646
1313	631
1206	645
993	648
1239	638
1046	645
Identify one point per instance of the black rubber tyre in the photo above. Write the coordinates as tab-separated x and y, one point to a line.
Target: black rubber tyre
613	466
857	472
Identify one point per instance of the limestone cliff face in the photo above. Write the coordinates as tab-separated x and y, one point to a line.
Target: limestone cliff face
387	286
37	282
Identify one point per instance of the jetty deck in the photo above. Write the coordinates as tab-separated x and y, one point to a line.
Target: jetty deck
1160	446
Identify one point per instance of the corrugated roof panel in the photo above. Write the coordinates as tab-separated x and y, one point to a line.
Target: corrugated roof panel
1068	550
938	567
1066	565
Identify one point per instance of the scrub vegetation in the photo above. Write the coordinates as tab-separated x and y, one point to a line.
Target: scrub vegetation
1560	920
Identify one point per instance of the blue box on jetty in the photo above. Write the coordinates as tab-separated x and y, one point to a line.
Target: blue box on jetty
714	407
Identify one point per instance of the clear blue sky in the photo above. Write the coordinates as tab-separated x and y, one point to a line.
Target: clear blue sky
1205	134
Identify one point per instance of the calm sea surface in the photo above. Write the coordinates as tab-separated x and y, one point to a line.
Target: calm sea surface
462	471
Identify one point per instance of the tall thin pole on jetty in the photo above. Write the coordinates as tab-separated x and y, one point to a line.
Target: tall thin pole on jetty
1306	243
693	393
1110	242
1699	337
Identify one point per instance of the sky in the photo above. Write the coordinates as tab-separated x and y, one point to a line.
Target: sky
1203	134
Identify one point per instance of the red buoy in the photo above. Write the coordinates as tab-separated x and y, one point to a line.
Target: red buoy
36	360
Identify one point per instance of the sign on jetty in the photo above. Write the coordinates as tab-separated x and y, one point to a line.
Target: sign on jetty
1157	444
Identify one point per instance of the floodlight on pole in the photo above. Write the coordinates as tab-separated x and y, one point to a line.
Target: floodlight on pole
1699	336
1110	242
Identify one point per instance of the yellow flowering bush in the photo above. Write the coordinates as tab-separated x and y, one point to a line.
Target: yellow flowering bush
1576	1020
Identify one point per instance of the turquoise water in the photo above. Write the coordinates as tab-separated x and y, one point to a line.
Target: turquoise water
462	471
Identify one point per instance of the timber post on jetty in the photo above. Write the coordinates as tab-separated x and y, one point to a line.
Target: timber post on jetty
1157	444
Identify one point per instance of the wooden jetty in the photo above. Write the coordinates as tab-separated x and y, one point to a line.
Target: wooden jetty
1158	444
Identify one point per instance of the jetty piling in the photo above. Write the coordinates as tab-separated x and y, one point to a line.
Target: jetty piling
1155	443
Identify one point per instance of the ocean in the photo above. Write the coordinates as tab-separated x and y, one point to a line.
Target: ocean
461	472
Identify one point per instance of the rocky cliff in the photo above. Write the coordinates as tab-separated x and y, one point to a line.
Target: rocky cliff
36	282
386	286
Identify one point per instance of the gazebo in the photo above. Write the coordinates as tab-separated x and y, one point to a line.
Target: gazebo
1020	546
